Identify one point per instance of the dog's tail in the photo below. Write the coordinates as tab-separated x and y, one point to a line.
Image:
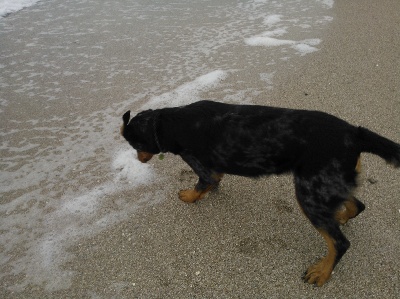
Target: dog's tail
125	119
381	146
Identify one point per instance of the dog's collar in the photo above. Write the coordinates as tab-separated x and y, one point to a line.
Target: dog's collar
155	132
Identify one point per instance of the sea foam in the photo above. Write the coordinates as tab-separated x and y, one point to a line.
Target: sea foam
188	92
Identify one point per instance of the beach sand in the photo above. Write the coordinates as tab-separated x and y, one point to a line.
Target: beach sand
249	239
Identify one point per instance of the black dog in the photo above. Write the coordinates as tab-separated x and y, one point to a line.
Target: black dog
322	151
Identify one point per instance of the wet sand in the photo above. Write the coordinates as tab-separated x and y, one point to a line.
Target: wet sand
249	238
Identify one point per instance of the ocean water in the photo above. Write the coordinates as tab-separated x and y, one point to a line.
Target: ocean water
68	71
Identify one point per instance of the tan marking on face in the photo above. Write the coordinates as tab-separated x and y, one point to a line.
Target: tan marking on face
358	165
144	156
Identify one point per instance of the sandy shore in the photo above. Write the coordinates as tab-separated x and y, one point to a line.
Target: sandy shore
249	238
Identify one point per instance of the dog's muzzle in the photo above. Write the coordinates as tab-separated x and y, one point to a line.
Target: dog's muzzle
144	156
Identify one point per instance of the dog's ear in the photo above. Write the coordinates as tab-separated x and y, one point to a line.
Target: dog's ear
126	117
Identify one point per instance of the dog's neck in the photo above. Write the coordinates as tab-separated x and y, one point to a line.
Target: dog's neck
155	118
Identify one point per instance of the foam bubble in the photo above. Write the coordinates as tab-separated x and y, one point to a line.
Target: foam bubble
267	41
328	3
276	32
302	47
272	19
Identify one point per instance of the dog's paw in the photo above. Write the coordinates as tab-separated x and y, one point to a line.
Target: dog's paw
189	196
318	273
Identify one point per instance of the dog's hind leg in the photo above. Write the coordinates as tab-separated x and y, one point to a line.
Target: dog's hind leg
351	207
208	180
318	198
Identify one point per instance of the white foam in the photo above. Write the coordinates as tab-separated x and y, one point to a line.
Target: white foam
128	172
47	251
130	169
328	3
86	203
267	41
304	49
276	32
10	6
311	41
272	19
188	92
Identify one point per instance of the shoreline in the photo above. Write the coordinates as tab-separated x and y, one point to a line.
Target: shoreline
249	238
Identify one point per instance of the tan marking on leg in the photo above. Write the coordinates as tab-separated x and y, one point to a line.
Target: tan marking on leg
191	195
346	211
320	272
349	208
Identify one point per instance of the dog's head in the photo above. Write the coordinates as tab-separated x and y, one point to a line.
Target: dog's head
139	132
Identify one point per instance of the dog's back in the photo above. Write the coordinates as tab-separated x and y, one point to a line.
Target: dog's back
251	140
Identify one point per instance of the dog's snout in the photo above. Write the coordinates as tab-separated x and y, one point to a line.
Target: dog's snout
144	156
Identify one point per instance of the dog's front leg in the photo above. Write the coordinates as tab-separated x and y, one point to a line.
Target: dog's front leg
208	180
